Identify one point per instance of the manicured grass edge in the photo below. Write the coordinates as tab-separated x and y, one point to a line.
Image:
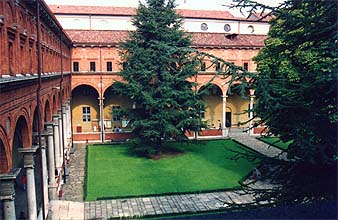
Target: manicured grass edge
261	156
170	193
85	177
167	194
261	139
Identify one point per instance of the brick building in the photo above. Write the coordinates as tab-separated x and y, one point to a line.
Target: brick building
35	89
95	32
57	66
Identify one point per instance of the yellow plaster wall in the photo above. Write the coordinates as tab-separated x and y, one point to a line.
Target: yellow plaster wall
113	100
79	101
237	105
213	110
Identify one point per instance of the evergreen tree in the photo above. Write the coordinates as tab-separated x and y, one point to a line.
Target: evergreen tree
296	90
157	72
297	87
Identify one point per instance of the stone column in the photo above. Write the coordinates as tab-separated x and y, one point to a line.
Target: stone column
61	139
252	97
51	160
225	132
69	122
44	171
56	139
28	155
7	193
64	123
101	118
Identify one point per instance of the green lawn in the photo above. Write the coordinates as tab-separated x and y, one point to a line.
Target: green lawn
275	141
113	172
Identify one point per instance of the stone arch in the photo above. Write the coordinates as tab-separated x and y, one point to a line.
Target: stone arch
9	13
54	104
47	112
213	103
238	105
85	108
22	126
75	85
4	152
111	101
220	85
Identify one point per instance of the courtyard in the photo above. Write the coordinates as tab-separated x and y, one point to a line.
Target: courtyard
112	171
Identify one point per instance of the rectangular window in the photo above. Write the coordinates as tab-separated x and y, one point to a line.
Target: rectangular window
246	66
109	66
92	67
86	114
203	65
75	66
218	66
116	118
202	114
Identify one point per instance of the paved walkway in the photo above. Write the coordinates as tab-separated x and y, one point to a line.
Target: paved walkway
73	189
255	144
73	207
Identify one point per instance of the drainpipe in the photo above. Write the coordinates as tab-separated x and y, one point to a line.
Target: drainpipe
62	119
39	104
101	97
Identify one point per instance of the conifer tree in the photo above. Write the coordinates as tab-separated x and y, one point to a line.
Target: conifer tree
296	90
157	75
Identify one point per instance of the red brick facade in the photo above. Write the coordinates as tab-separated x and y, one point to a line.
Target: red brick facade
19	68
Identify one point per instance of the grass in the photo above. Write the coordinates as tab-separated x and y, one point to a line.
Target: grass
276	142
206	166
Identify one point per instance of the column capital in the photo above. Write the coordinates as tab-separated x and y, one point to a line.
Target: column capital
28	154
252	96
49	127
224	96
7	189
43	140
55	116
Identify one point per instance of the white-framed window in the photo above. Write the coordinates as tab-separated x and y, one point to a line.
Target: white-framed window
115	117
86	113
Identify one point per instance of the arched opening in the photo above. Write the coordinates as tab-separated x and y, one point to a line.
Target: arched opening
54	105
239	104
3	158
37	162
111	121
85	109
35	127
47	112
21	139
212	97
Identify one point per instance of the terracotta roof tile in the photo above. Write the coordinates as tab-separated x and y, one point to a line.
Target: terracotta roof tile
199	39
99	10
129	11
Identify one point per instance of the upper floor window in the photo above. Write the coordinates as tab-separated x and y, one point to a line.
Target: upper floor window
109	66
246	66
251	29
218	66
92	66
86	114
227	27
75	66
204	27
115	117
203	66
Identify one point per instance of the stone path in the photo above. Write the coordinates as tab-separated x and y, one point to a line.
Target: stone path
145	206
73	189
255	144
66	210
